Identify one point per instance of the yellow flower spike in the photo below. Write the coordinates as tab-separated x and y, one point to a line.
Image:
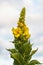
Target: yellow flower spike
16	32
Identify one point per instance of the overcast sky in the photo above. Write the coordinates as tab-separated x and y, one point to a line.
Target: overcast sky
9	14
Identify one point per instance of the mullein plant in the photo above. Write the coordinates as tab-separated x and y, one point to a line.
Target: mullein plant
22	51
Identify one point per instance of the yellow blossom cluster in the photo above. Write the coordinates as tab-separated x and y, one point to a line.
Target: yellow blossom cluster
16	32
24	31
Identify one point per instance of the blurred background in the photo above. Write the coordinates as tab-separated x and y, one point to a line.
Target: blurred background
9	15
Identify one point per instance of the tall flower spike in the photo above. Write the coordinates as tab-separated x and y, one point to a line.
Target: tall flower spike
22	51
22	15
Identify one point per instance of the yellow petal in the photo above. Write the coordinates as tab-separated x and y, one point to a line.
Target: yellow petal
17	35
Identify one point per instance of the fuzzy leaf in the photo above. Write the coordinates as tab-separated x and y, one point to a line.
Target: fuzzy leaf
18	57
34	62
15	63
33	52
12	50
28	48
25	48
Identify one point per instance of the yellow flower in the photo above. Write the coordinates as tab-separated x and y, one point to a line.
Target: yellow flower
16	32
21	24
26	28
26	35
26	32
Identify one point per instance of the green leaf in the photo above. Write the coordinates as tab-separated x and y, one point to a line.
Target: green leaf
25	48
18	45
18	57
12	50
28	48
33	62
15	63
33	52
27	58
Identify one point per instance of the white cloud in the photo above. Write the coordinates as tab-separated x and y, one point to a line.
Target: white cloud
38	43
35	8
5	62
40	48
8	13
41	1
28	3
6	33
40	59
6	44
